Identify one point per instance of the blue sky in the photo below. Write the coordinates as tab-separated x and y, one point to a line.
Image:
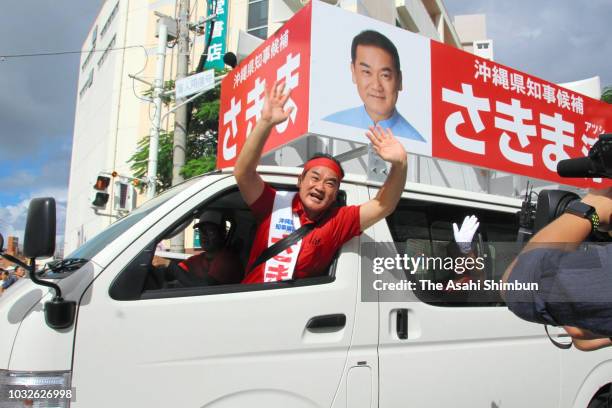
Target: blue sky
558	40
37	102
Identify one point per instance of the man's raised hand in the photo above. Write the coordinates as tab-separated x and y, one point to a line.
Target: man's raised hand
274	111
386	145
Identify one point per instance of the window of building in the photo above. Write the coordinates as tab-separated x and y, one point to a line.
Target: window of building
257	24
425	229
109	20
87	59
107	51
87	84
94	39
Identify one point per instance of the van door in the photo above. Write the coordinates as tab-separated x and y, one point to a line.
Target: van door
359	385
449	352
260	345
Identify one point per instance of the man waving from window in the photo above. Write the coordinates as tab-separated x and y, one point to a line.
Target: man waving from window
279	213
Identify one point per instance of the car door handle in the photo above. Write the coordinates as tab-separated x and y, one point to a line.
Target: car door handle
327	323
402	324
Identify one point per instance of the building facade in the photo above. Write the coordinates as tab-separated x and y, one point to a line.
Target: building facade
12	247
472	31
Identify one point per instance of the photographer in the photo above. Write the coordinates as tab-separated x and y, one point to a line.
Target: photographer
575	287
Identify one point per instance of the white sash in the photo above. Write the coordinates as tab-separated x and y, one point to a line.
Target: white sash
282	223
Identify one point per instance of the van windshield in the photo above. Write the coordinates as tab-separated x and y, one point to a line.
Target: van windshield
90	248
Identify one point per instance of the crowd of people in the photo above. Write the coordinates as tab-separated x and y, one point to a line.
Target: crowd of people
9	277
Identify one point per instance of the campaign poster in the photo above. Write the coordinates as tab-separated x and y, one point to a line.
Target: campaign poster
365	71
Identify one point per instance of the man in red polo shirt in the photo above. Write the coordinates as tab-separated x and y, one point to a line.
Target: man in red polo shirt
279	212
215	265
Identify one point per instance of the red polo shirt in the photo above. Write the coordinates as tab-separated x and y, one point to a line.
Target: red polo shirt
336	227
224	268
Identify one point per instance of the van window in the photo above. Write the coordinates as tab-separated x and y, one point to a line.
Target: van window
426	228
204	253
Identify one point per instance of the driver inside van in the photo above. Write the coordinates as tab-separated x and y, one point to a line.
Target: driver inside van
280	213
216	264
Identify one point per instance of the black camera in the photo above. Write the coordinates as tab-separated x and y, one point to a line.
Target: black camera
552	203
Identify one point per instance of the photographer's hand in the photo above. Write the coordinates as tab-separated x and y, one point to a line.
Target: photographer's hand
586	340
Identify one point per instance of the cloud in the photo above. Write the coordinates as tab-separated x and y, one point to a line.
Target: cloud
13	217
557	40
529	33
51	172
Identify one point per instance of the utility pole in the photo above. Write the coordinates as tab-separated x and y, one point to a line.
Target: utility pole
180	117
158	88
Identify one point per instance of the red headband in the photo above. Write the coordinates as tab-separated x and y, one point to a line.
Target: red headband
324	162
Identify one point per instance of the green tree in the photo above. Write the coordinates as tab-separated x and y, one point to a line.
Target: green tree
201	154
606	96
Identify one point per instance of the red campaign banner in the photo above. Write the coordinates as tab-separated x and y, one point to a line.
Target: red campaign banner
493	116
284	56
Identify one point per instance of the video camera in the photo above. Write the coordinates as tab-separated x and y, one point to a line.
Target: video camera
552	203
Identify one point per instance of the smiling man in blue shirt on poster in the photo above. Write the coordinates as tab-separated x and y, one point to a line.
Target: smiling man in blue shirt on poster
375	68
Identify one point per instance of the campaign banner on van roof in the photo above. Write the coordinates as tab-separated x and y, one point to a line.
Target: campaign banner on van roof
284	56
493	116
347	72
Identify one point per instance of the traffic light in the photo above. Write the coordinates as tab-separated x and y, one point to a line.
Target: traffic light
125	195
100	194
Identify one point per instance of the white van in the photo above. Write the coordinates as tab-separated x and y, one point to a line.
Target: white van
140	341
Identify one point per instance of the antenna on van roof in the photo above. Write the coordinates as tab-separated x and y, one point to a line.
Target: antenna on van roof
526	216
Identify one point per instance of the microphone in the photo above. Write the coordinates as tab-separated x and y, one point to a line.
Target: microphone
598	163
580	167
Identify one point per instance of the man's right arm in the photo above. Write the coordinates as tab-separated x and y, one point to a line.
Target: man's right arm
249	182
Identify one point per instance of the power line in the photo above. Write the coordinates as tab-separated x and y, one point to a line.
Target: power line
46	54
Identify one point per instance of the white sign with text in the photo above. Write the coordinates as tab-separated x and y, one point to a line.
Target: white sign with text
195	83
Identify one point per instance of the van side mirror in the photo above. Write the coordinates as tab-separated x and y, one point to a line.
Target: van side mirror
1	243
39	237
39	241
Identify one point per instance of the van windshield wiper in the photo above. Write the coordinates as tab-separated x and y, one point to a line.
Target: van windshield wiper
64	265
